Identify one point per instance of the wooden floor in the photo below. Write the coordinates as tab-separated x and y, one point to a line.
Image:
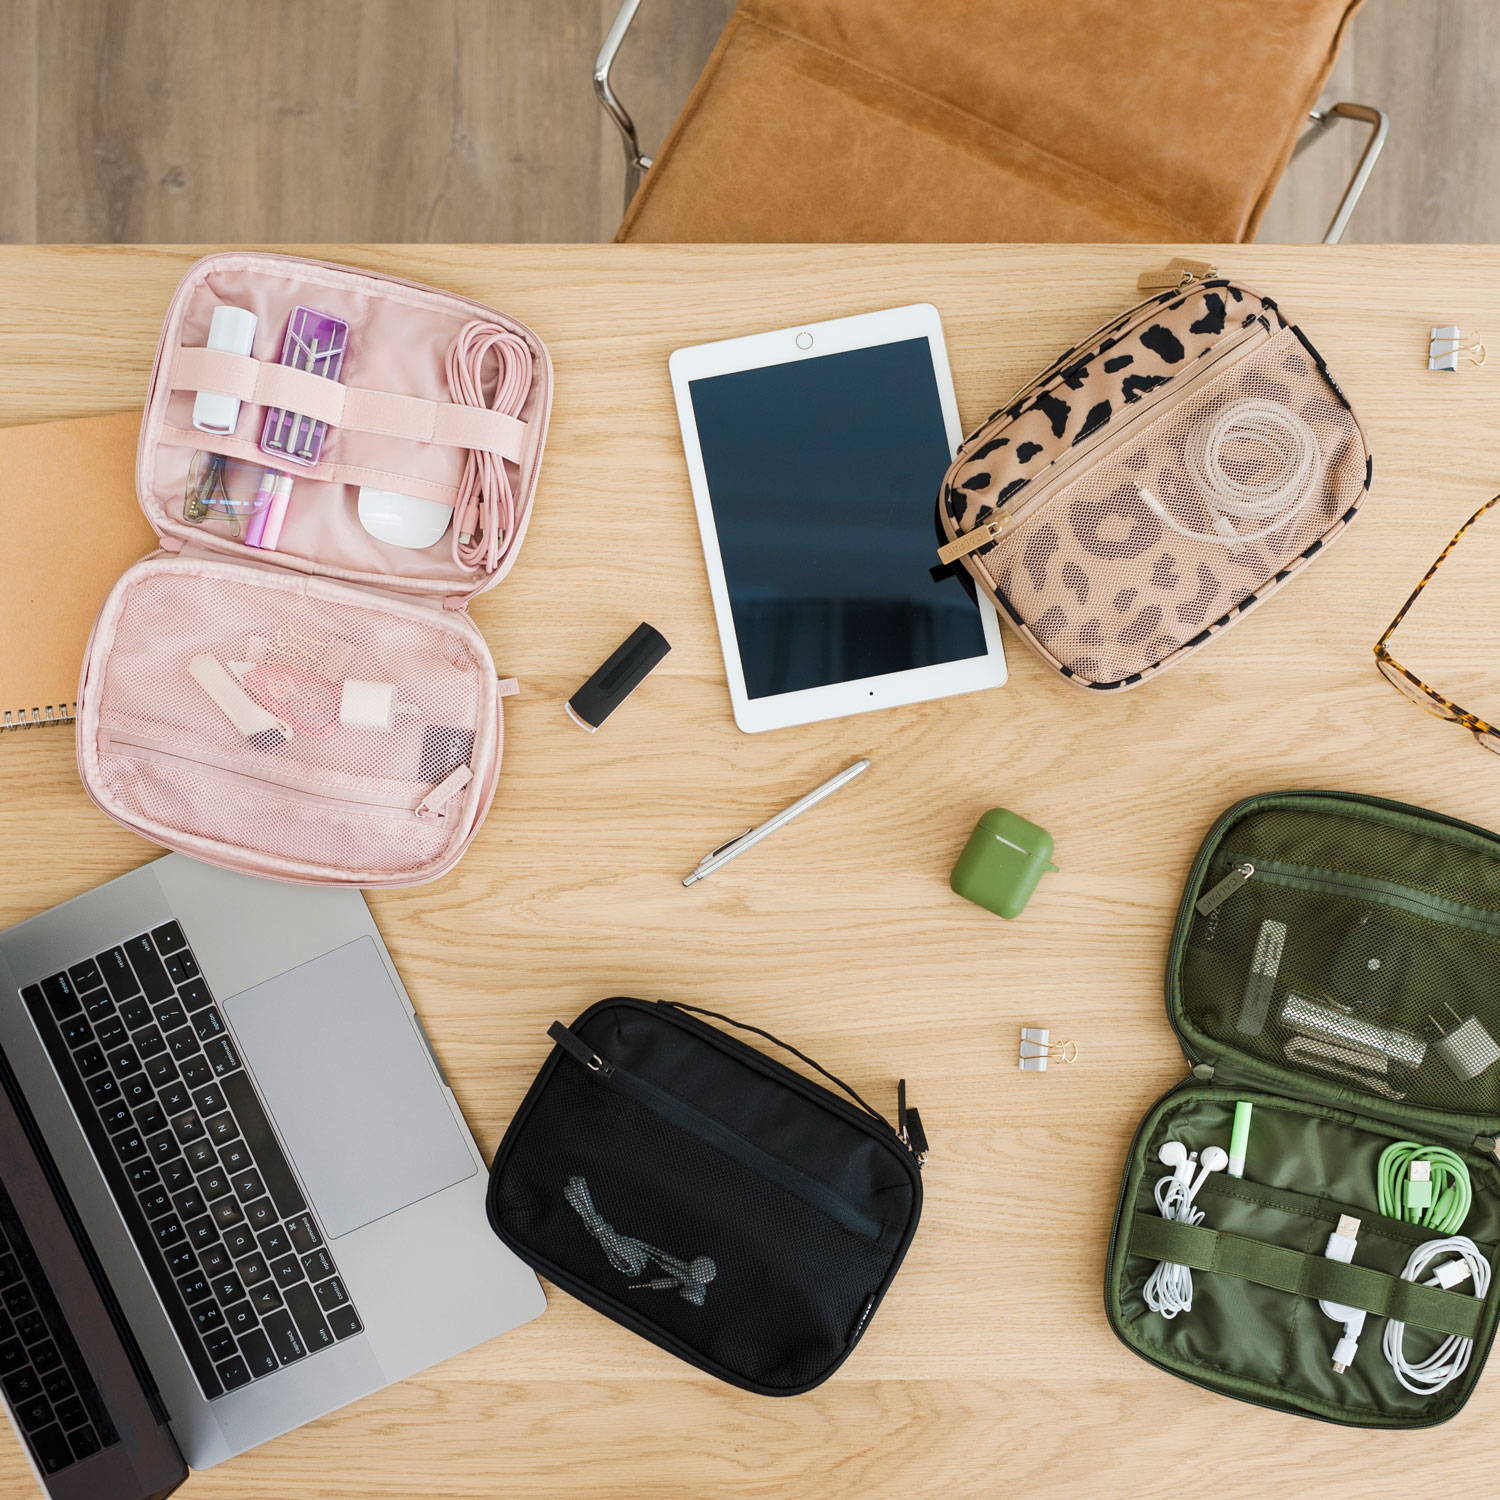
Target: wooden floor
474	120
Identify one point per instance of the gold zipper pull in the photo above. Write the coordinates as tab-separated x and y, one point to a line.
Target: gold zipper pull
1179	273
1212	900
970	541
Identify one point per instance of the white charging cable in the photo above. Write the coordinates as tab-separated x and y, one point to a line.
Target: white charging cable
1451	1358
1169	1288
1340	1247
1267	439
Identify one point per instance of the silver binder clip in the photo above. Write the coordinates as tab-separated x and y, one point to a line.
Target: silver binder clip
1446	346
1038	1049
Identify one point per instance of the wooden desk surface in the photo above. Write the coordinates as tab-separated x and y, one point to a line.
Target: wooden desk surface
990	1369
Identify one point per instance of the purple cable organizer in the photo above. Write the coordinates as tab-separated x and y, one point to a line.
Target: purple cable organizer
314	342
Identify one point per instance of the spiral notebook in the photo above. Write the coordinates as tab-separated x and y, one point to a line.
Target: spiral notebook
69	526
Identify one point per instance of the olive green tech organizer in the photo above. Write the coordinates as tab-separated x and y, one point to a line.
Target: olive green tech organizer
1336	963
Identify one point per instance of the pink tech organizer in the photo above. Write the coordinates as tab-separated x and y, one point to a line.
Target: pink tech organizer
391	715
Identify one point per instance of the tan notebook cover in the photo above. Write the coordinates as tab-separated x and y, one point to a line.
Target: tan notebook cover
69	526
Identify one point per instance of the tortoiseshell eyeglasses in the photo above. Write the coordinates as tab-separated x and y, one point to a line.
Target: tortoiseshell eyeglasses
1407	682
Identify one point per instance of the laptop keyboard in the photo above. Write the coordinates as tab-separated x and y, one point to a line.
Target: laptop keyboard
51	1393
201	1180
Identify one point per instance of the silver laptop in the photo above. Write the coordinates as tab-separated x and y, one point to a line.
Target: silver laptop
257	1150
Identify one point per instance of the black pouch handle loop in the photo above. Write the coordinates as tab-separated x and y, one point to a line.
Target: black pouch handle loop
786	1046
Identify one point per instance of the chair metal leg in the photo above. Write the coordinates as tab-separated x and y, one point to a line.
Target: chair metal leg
1379	125
635	162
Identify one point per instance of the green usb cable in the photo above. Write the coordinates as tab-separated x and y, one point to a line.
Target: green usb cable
1426	1185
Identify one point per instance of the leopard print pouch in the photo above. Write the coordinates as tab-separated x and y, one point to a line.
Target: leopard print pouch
1156	483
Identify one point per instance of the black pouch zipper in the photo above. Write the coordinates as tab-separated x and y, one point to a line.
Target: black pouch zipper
688	1117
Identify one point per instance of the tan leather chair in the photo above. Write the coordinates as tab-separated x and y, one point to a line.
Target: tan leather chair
989	120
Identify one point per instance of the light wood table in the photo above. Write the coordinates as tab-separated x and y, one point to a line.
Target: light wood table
990	1369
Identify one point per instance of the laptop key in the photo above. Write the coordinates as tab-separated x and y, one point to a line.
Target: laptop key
240	1318
184	1044
190	1203
221	1056
285	1339
176	1174
274	1243
208	1024
91	1060
216	1259
234	1373
34	1413
155	1203
10	1269
85	975
266	1297
103	1088
52	1450
168	937
248	1184
235	1157
135	1013
287	1271
227	1213
194	995
62	999
98	1006
18	1299
213	1184
147	964
129	1145
170	1014
228	1288
22	1386
110	1032
304	1232
308	1317
168	1231
71	1413
12	1355
344	1322
137	1090
220	1344
162	1070
318	1265
58	1385
175	1098
208	1316
149	1041
197	1070
29	1328
222	1128
187	1126
209	1100
118	975
200	1155
151	1117
181	1260
124	1061
76	1031
260	1214
85	1441
116	1116
202	1233
239	1240
194	1287
256	1350
253	1269
163	1146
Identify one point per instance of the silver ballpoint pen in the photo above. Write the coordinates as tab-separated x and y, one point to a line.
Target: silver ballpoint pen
752	836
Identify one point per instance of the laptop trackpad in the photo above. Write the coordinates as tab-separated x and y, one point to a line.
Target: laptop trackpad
350	1086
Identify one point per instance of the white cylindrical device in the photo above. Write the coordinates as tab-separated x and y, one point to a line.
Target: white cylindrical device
231	329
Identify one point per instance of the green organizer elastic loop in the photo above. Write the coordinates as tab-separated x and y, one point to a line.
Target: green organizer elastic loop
1305	1275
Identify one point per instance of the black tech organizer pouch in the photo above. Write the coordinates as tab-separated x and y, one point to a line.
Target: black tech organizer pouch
1335	963
705	1196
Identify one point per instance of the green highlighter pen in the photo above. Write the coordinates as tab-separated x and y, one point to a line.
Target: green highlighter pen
1239	1138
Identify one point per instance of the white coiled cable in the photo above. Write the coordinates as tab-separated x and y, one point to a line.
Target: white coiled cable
1451	1358
1169	1288
1291	466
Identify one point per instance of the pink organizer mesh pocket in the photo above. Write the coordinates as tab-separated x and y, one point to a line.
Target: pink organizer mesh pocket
1180	519
288	726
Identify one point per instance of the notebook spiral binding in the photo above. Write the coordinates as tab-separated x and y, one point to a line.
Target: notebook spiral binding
38	718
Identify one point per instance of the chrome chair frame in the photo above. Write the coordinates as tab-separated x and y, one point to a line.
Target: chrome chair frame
637	163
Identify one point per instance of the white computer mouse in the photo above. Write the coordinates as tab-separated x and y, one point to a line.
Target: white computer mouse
402	520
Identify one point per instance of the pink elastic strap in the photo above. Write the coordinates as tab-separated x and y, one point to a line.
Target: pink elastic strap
383	413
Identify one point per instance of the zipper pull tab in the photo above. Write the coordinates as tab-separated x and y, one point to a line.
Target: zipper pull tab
970	541
1212	900
577	1048
1179	273
909	1126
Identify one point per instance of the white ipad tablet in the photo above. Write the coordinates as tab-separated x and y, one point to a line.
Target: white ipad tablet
816	454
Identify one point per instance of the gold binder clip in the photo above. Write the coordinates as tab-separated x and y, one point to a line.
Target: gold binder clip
1446	346
1038	1049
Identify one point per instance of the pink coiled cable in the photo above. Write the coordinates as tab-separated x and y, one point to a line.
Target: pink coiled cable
484	515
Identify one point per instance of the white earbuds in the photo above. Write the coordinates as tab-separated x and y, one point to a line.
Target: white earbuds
1177	1156
1214	1159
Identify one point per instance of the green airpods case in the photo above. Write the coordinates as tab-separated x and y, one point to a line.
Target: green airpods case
1002	862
